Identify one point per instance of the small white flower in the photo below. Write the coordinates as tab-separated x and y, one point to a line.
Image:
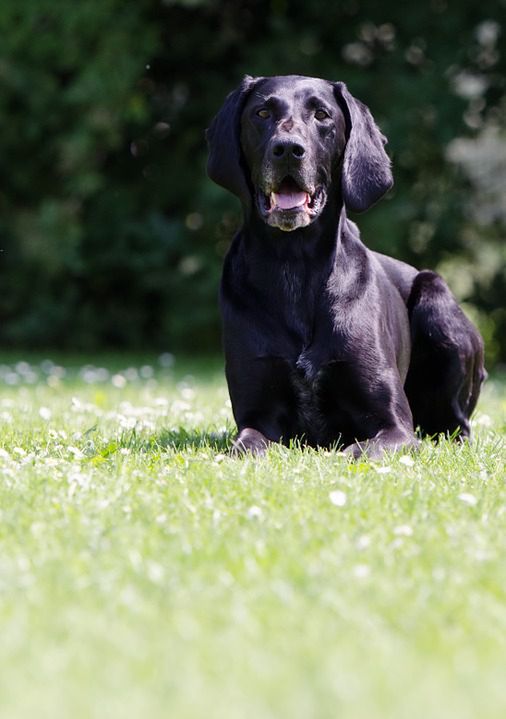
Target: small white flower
406	460
4	454
361	571
219	458
397	543
161	401
403	530
179	406
254	512
363	542
383	470
126	422
78	479
166	359
338	498
51	462
155	572
146	371
45	413
469	499
483	420
118	381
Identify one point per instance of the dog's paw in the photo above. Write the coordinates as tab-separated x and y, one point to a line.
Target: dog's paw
376	447
250	440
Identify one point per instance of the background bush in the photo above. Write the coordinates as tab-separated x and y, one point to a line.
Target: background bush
110	232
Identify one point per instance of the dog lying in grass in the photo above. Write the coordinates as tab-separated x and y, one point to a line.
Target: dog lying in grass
325	340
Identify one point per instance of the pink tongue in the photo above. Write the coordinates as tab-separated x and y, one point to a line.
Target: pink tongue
288	200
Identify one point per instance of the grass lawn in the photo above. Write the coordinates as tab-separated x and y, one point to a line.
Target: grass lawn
144	573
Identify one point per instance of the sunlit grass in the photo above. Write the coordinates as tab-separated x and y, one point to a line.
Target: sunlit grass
144	572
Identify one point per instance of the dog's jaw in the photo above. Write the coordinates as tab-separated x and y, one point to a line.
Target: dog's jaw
290	206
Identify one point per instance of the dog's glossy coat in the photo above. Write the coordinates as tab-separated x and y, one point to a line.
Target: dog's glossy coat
325	340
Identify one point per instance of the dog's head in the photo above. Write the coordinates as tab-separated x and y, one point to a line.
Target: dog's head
285	144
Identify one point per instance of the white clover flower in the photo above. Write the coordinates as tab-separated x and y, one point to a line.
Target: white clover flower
338	498
483	420
361	571
119	381
155	571
383	470
254	512
45	413
468	499
403	530
363	542
166	359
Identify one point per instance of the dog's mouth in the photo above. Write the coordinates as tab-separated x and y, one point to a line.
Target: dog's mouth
290	205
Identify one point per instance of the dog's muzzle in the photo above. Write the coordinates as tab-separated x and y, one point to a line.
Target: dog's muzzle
290	204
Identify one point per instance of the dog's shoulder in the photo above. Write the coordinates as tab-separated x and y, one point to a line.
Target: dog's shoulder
399	273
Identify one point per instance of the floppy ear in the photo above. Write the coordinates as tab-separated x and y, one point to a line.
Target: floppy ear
366	173
223	139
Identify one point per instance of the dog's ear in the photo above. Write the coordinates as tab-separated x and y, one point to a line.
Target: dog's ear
223	138
366	173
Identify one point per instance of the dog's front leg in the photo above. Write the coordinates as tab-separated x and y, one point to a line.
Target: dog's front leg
250	440
263	402
365	402
383	442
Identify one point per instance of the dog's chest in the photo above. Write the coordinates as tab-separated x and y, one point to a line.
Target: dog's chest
326	386
310	376
306	383
299	299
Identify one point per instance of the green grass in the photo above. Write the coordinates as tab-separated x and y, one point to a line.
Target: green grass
145	573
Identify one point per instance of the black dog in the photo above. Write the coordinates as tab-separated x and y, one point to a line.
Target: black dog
325	340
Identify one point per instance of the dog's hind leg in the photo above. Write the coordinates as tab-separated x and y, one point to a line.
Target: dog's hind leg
446	368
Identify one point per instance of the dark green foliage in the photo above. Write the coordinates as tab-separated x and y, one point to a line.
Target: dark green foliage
110	232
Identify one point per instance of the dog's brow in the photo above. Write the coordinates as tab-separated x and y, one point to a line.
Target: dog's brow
273	102
261	96
315	101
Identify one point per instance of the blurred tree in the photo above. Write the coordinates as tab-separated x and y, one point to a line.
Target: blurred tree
111	233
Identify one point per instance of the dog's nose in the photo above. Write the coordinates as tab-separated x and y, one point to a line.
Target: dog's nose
288	148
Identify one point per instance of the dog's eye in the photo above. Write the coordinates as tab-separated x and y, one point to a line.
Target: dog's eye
321	115
264	114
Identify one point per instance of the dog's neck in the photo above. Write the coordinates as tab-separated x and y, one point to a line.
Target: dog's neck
288	273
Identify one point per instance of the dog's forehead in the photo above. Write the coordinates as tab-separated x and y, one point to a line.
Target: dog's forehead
293	88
